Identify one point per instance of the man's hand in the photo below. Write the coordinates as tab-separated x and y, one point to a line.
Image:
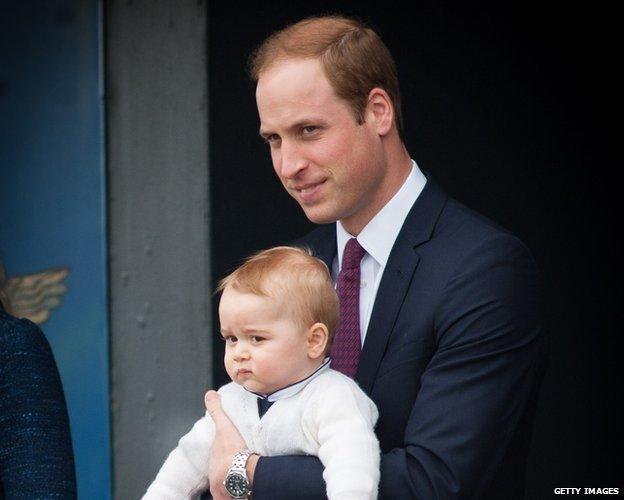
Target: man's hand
227	443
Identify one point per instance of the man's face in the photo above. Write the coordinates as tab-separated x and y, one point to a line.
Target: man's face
265	349
328	162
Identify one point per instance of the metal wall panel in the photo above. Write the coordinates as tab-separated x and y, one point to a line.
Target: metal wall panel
159	269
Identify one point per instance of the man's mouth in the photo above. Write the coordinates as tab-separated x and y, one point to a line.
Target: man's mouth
309	191
308	186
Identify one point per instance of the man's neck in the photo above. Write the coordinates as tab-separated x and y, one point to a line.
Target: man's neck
398	168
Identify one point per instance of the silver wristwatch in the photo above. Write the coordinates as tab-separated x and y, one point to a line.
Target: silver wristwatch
236	482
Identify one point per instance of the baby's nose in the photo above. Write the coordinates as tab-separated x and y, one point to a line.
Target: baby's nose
241	352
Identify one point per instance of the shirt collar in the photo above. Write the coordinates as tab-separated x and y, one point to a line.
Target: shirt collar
292	389
379	235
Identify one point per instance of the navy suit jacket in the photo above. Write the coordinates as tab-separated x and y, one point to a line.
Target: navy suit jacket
453	357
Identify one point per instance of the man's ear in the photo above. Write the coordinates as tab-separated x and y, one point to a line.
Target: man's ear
316	341
380	111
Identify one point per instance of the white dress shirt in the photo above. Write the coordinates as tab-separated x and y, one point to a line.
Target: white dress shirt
377	238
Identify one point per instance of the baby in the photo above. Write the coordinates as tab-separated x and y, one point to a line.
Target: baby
278	313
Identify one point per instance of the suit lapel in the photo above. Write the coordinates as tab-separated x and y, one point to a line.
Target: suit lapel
327	249
322	242
395	281
402	262
390	296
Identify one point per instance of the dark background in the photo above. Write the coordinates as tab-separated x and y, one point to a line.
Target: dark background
515	111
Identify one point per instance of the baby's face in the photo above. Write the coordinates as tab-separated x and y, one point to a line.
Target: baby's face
265	349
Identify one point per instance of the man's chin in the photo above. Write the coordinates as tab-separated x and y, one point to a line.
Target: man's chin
319	216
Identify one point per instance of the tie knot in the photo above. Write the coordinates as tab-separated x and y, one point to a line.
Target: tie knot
353	254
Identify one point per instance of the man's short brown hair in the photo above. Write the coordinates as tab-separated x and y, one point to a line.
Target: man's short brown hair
354	58
296	279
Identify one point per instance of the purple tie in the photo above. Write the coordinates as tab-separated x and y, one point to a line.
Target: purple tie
345	351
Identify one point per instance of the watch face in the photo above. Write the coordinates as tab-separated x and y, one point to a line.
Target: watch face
236	485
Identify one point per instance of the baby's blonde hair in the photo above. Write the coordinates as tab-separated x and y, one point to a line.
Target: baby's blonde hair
293	276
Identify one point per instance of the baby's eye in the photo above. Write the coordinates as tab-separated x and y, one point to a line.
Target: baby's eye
256	339
229	339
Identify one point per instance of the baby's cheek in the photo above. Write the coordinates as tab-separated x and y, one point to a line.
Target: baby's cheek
228	367
265	368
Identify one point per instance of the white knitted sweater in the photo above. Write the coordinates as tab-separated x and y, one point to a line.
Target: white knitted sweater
329	417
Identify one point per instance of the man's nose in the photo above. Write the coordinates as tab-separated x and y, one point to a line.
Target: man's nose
292	161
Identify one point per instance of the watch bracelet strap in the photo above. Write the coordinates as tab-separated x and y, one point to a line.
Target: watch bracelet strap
240	459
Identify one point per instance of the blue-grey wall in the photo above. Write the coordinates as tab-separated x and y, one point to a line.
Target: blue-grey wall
52	202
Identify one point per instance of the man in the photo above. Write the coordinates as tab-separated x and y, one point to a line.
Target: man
449	343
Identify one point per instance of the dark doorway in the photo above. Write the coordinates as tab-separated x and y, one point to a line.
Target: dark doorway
512	110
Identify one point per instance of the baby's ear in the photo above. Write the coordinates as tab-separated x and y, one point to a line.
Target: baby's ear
317	340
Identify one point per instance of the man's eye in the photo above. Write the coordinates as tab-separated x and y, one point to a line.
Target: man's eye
272	139
310	129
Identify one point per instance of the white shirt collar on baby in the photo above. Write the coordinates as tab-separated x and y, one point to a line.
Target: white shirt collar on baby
292	389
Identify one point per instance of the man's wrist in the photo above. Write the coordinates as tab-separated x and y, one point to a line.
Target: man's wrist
239	477
252	461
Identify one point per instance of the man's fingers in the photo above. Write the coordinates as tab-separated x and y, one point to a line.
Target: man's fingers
213	405
211	396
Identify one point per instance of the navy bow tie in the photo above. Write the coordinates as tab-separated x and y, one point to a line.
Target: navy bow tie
263	406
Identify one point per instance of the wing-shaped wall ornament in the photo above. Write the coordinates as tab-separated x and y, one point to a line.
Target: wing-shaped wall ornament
32	296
